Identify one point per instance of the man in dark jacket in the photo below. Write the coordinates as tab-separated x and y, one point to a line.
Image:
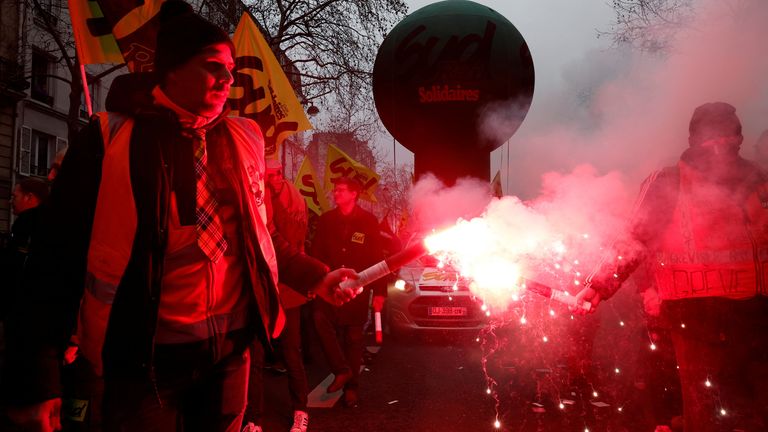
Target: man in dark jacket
347	236
27	196
156	244
702	226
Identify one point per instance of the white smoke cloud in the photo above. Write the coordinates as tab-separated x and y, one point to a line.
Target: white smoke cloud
556	239
623	115
436	206
628	111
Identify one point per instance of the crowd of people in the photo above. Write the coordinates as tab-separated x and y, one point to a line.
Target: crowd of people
150	273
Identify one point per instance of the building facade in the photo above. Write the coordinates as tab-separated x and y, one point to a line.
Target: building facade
35	87
12	90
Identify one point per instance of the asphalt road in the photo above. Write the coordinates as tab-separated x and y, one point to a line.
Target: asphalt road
436	383
419	384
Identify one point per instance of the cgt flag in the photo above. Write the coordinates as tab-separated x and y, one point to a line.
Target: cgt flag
339	164
261	90
134	25
311	189
93	36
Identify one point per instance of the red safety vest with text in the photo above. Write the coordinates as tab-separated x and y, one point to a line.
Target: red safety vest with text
716	244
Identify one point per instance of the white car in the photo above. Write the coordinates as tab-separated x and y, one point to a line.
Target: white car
427	298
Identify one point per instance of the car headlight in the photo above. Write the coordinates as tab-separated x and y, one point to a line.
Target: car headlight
402	285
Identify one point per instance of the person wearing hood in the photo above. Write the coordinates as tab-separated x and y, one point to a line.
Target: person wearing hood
157	249
702	227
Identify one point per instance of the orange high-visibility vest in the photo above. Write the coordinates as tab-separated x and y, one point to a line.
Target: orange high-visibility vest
115	223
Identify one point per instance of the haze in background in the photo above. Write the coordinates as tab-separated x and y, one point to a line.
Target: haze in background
577	162
620	110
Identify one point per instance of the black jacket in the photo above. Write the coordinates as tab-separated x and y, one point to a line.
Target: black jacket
14	256
351	241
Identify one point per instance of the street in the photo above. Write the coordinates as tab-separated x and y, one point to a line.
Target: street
435	382
422	384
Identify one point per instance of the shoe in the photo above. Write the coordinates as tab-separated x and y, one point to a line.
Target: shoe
300	421
339	380
350	398
250	427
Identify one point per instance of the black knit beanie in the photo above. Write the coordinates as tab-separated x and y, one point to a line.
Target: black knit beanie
711	120
182	35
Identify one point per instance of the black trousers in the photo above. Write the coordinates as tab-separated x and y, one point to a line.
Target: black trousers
198	387
342	343
289	347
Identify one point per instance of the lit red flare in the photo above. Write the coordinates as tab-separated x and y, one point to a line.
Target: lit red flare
495	262
494	269
386	266
556	295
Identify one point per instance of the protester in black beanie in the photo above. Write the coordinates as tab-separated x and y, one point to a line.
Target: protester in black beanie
156	250
182	34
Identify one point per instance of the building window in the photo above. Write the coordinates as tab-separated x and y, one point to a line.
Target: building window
41	70
37	151
43	152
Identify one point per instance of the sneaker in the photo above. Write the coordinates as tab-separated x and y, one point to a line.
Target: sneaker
250	427
300	421
339	380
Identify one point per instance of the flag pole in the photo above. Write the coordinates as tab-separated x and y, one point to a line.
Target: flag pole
86	90
83	79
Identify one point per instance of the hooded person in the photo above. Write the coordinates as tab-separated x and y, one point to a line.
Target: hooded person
701	230
157	250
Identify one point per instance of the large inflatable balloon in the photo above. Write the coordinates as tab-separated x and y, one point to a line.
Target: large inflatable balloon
453	81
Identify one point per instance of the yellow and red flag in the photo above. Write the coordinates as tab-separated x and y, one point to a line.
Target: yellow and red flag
261	90
93	35
339	164
133	25
311	189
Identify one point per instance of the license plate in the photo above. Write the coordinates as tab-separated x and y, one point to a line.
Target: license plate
447	311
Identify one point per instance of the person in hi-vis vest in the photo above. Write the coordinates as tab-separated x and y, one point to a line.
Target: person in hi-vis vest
702	226
157	249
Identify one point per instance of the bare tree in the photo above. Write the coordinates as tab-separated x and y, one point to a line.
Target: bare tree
394	192
649	25
56	39
331	45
